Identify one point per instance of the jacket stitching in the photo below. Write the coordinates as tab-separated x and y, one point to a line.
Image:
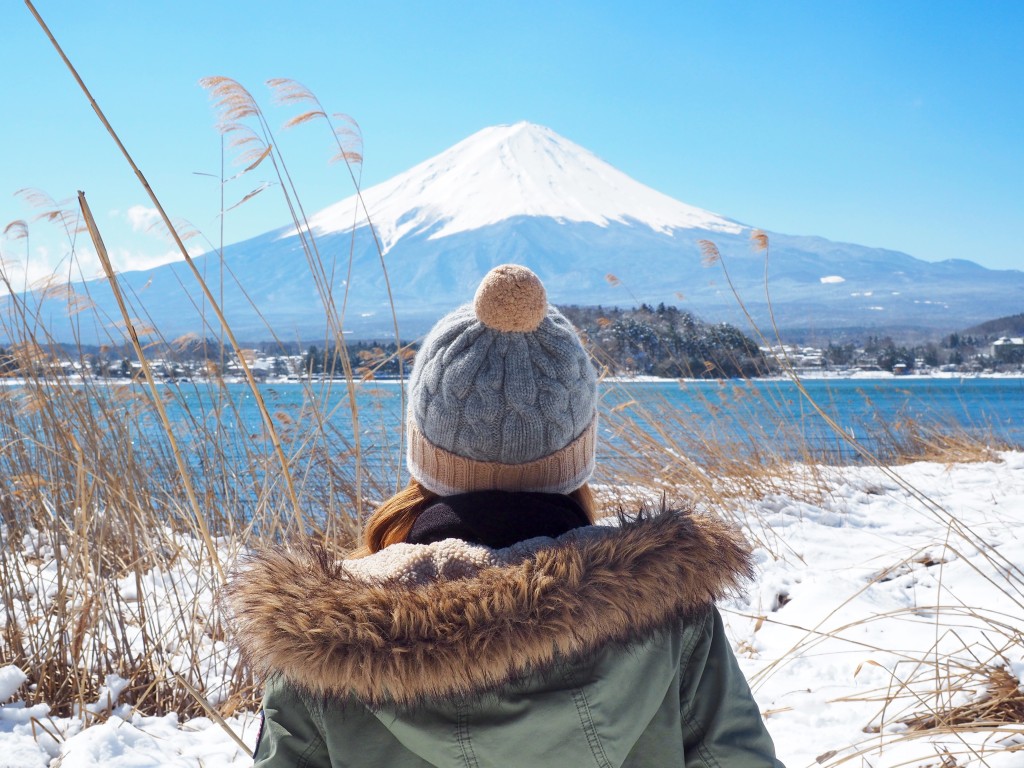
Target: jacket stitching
462	736
708	757
686	714
702	747
687	652
315	708
304	758
589	729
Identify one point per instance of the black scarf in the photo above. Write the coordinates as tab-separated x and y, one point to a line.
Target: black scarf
497	519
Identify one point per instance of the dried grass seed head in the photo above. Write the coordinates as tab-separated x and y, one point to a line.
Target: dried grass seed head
232	102
709	253
759	240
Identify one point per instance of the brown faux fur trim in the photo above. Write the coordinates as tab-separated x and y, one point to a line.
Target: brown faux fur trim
302	616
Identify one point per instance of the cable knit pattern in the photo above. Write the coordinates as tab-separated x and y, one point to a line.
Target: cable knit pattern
502	397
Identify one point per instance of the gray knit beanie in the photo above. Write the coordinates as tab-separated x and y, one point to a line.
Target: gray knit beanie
502	395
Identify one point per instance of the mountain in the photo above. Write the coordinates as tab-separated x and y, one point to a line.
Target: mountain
1003	326
522	193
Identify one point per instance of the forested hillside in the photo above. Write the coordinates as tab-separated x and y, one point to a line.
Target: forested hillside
666	341
1003	326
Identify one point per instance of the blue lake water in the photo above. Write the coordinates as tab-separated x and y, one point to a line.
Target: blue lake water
867	411
224	441
754	413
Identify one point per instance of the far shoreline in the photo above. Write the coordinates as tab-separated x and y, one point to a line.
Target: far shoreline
74	380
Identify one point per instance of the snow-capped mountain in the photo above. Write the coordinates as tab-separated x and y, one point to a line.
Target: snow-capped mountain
508	171
522	193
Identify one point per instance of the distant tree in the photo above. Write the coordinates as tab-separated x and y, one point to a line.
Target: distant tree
313	362
930	354
840	354
890	356
1013	356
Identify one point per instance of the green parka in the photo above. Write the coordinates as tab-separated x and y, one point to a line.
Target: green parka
600	648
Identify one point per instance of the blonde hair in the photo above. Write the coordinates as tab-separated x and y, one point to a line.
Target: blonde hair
392	521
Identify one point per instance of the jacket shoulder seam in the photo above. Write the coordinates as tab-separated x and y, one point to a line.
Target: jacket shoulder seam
687	653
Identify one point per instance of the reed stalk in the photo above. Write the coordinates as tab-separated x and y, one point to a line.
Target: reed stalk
172	230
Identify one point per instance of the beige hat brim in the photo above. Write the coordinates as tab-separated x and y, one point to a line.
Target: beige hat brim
447	474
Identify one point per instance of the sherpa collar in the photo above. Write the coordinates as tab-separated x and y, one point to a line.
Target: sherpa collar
416	621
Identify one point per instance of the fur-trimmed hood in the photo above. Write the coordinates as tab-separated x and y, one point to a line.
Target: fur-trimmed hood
414	622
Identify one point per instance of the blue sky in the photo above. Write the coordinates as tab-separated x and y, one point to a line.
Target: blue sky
887	124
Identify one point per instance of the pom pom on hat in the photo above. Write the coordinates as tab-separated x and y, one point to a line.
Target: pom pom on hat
511	299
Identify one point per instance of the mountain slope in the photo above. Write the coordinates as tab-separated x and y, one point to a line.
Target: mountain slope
522	193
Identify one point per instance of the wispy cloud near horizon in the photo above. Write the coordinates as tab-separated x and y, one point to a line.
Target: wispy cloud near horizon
142	218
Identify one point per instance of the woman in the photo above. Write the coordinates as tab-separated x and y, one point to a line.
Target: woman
487	621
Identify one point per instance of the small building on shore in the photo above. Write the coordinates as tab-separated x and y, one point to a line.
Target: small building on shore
1008	349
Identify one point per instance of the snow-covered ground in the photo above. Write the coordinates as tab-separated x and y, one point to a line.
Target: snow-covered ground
871	606
881	601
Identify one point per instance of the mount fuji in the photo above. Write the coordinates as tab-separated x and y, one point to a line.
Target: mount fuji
522	193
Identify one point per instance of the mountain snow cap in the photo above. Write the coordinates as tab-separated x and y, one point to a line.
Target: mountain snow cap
506	171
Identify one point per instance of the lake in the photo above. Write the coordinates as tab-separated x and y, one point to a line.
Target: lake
644	427
868	411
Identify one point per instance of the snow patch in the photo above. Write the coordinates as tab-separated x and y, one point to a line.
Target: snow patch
136	741
1016	669
109	693
11	679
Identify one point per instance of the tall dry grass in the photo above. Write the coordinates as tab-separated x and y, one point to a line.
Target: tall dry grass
125	502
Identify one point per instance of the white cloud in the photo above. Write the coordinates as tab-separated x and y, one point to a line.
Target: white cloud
142	218
126	260
42	266
832	279
46	266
